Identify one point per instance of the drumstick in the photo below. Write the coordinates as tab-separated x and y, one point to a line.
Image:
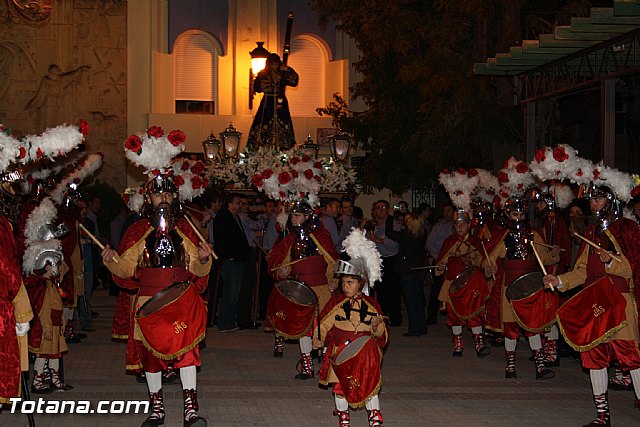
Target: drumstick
493	276
195	210
429	267
597	246
96	241
544	270
549	246
287	264
200	236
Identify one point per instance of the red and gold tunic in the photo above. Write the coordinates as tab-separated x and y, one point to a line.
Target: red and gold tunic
622	340
129	273
343	320
457	255
14	308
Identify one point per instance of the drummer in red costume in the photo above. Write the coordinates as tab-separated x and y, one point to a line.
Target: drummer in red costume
462	252
510	257
602	320
306	253
163	253
353	319
555	232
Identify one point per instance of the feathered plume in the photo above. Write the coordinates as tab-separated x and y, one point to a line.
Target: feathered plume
154	150
356	245
35	250
42	215
54	142
89	166
488	186
134	198
189	178
9	150
460	184
621	183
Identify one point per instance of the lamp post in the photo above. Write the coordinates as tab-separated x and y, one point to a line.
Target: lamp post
230	141
340	145
211	148
258	62
310	148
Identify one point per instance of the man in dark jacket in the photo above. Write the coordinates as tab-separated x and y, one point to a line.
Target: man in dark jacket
233	250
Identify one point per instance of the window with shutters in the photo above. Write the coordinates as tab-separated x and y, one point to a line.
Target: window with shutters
308	57
196	65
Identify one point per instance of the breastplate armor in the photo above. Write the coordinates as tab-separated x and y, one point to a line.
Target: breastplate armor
163	250
517	244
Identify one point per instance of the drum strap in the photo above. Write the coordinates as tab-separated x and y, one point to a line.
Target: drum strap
364	311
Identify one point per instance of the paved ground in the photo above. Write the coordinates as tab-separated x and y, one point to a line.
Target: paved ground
242	385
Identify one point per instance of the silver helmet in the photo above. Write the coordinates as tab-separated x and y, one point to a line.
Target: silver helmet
515	204
612	209
355	267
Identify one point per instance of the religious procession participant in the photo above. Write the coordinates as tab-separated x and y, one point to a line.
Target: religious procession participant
354	332
305	254
510	257
601	321
483	223
459	259
15	308
553	228
171	264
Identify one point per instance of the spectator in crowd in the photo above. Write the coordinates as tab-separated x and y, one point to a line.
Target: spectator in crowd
345	220
424	213
411	254
268	238
440	231
91	258
245	301
329	212
389	290
116	225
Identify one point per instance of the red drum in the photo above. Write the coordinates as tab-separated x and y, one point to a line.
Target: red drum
533	308
173	321
468	293
291	308
357	366
593	315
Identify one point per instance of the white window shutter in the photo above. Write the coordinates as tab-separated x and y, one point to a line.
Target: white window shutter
196	65
307	59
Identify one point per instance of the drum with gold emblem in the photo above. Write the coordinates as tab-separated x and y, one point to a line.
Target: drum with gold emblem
593	315
357	365
533	307
291	308
173	321
468	293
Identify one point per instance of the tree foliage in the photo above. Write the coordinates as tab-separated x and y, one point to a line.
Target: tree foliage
425	110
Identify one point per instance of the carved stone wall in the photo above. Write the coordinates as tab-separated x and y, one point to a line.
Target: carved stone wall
71	64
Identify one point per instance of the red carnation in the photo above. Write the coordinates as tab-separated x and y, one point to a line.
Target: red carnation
84	128
446	171
559	154
502	177
267	174
541	154
302	195
294	160
198	168
176	137
294	173
308	174
23	152
196	182
133	143
39	153
521	167
635	192
155	172
461	171
504	195
317	165
155	132
205	182
579	173
178	181
520	186
284	178
472	172
306	158
459	193
257	180
282	194
596	174
185	165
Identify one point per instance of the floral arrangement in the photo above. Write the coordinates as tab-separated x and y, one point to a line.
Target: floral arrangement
488	186
283	175
89	166
189	177
154	150
460	183
514	179
134	198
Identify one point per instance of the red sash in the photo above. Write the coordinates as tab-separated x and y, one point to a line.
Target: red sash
593	315
469	301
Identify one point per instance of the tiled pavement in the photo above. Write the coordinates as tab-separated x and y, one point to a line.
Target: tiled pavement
242	385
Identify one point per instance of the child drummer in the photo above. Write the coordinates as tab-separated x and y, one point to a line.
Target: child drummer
351	314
